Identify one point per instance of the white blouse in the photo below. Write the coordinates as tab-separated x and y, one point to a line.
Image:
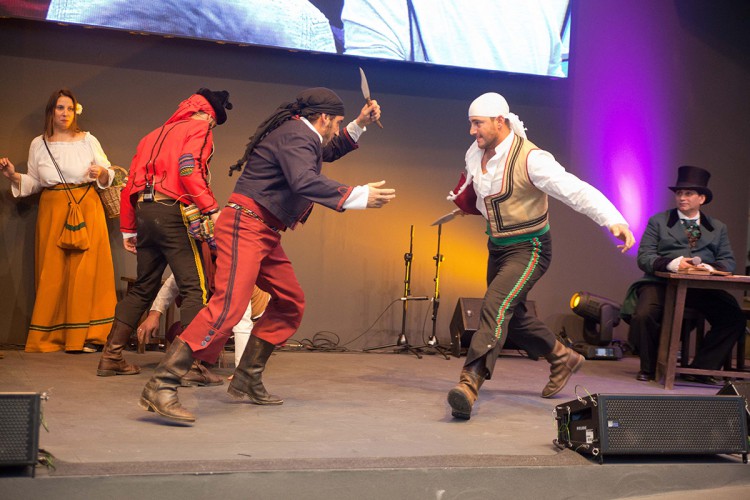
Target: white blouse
73	158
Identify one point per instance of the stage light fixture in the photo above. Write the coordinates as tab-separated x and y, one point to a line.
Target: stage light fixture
600	316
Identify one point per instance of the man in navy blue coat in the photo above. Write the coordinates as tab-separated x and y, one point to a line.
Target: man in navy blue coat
281	182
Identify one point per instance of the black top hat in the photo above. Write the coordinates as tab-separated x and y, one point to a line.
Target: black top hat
218	100
694	178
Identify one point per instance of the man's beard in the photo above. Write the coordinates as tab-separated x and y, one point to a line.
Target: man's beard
328	134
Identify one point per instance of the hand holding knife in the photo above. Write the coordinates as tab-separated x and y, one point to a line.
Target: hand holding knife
366	91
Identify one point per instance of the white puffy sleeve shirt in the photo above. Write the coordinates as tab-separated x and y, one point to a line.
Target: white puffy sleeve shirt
74	159
548	176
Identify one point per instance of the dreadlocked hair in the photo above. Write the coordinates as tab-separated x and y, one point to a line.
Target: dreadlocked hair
283	113
309	104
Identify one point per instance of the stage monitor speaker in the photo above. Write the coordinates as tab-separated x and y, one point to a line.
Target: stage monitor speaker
19	430
465	322
737	388
608	424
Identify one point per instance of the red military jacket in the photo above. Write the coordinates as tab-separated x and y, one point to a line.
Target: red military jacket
174	160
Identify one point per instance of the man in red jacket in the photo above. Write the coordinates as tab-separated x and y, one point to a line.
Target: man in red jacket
169	172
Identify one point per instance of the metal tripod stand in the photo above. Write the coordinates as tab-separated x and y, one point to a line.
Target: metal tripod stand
432	342
402	343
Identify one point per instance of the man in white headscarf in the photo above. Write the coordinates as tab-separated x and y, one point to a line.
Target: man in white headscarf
507	181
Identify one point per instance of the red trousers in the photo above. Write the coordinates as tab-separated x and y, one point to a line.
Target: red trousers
248	253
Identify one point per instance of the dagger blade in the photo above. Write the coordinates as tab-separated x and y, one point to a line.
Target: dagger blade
366	90
363	83
447	217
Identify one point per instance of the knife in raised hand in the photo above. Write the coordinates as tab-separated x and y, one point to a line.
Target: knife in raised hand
366	91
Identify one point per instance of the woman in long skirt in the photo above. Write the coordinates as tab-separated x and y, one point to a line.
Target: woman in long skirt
75	288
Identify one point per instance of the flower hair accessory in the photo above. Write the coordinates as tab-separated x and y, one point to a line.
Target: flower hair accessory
79	109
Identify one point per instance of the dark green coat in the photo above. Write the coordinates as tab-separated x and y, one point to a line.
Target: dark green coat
664	240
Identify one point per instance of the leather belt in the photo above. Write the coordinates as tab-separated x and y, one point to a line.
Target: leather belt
157	196
252	214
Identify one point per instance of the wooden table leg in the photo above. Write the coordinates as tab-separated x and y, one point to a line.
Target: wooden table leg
671	328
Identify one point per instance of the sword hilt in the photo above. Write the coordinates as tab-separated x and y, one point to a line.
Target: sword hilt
376	121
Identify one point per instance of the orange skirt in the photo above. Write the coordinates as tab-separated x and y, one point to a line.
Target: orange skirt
75	291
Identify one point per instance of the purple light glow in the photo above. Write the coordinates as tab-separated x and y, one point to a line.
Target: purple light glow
632	177
622	100
626	182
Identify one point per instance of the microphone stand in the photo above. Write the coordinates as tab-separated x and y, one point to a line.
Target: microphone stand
433	342
402	343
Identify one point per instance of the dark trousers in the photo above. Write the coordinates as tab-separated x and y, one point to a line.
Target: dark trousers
163	240
718	306
512	270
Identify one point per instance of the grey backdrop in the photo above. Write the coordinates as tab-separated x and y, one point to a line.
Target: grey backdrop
351	265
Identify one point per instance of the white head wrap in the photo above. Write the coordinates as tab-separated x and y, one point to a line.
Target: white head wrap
493	104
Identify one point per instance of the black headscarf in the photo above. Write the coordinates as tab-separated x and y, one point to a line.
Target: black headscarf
308	102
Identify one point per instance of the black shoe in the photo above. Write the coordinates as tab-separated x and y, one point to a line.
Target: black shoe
699	379
644	376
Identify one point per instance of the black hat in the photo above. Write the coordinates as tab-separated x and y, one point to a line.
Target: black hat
218	100
694	178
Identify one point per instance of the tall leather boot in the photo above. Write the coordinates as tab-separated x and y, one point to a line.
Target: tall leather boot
112	363
160	393
200	376
564	362
462	397
247	376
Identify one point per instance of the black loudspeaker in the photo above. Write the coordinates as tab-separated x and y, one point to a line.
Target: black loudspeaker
465	322
739	389
19	429
608	424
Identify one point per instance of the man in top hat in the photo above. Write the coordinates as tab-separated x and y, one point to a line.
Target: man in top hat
169	172
281	182
679	240
507	180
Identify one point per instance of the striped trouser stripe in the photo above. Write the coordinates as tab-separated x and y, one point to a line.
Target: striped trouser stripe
196	259
518	287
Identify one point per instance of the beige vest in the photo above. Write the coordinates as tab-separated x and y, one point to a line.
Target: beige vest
520	208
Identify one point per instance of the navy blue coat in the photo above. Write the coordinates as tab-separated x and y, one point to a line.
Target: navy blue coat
283	173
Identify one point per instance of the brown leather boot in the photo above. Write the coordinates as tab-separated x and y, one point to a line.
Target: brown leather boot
564	362
200	376
247	376
112	363
462	397
160	393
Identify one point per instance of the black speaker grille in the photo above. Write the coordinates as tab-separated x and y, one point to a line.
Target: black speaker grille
19	429
672	425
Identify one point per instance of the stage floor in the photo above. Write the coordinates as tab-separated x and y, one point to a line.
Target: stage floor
341	411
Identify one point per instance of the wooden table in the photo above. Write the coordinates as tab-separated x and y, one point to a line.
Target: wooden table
674	308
